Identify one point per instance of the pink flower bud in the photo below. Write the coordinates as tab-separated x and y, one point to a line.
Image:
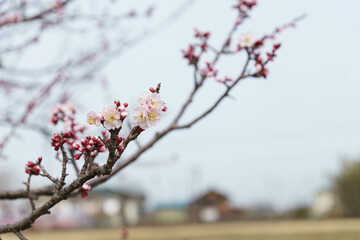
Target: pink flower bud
125	104
67	134
123	114
103	132
121	108
117	102
88	147
77	156
36	170
30	164
76	146
39	159
120	148
83	142
276	45
151	89
102	149
91	142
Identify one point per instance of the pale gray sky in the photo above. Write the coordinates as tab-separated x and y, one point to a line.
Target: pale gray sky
281	139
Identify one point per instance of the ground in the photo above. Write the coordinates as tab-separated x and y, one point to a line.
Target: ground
342	229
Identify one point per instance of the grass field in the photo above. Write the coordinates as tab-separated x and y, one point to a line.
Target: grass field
344	229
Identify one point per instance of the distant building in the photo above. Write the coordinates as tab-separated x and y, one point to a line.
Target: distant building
212	207
102	208
170	213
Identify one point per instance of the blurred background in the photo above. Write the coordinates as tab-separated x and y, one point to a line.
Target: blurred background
284	147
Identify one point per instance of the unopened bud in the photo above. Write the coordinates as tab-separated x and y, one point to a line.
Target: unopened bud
117	102
123	114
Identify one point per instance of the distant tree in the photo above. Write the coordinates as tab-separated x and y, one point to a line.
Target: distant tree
347	186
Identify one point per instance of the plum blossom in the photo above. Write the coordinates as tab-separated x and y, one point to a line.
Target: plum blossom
145	117
149	111
152	100
246	40
111	117
94	118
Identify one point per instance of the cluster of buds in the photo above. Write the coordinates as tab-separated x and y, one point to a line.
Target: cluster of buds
84	190
33	168
262	70
243	6
209	70
149	111
260	64
59	139
89	146
189	54
72	126
271	55
203	45
204	37
60	111
66	113
111	117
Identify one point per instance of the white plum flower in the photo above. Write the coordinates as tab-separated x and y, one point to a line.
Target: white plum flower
145	117
247	40
149	111
93	118
111	117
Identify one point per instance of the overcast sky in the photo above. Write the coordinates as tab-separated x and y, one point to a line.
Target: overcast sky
281	139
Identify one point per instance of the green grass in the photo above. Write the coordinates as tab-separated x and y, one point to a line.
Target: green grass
344	229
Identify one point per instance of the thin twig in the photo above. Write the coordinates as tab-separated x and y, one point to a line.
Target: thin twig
47	175
29	195
63	170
